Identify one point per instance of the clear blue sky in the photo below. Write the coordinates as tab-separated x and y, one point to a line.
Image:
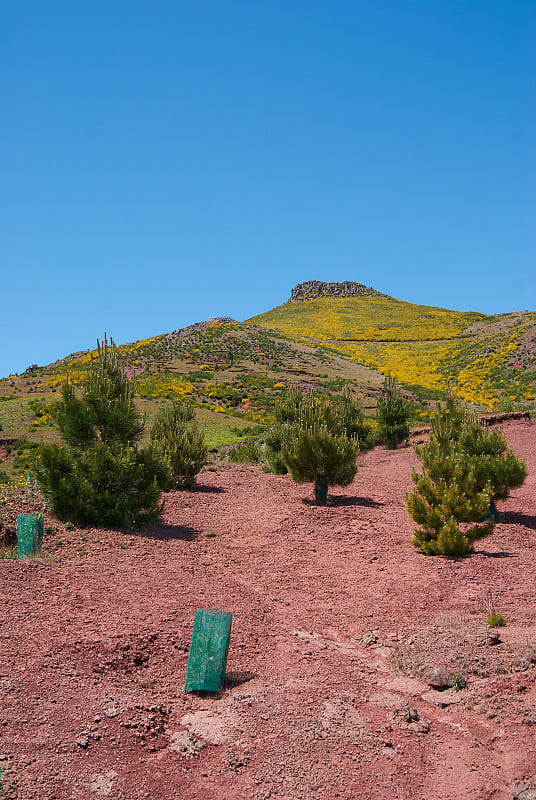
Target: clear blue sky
168	161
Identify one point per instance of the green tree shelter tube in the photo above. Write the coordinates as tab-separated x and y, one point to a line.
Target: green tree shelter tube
209	649
29	535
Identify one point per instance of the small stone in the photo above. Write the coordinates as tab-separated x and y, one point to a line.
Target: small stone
419	727
436	678
83	742
407	714
445	698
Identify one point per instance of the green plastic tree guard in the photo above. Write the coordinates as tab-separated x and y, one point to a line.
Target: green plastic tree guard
208	651
29	535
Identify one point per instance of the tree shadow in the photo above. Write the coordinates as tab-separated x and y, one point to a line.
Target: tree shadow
345	500
499	554
164	532
512	518
202	489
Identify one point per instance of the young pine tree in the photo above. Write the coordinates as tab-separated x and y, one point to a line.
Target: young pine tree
446	495
318	448
176	436
393	415
101	476
493	463
341	415
314	455
466	468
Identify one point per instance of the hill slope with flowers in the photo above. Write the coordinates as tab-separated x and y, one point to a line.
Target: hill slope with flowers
233	372
491	359
329	335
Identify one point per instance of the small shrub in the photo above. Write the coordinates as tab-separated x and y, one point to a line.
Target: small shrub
179	441
458	683
314	455
25	454
393	415
465	469
496	620
247	452
274	441
340	414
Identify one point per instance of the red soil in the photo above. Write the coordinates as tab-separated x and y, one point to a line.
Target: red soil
335	613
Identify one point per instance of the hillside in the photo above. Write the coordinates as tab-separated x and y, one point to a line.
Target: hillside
491	359
234	372
327	335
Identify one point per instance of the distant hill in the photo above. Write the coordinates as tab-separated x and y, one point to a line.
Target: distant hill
491	359
234	372
326	336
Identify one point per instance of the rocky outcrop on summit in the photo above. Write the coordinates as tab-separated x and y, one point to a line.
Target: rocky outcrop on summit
311	289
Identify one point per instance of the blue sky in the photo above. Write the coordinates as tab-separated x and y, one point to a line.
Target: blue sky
170	161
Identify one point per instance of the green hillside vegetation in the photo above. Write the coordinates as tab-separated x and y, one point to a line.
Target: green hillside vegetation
235	372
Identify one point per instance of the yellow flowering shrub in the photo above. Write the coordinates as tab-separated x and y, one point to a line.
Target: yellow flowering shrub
366	318
167	384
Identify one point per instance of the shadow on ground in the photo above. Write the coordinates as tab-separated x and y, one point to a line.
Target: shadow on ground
165	532
344	500
201	488
233	679
511	518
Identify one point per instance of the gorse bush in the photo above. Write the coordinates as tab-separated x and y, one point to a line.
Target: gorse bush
466	468
177	438
25	453
100	475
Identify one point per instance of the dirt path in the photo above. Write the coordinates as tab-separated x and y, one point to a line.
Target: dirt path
335	614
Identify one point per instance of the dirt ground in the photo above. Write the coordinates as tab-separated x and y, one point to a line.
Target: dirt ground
339	624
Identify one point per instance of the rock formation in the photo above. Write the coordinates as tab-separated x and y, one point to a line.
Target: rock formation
311	289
